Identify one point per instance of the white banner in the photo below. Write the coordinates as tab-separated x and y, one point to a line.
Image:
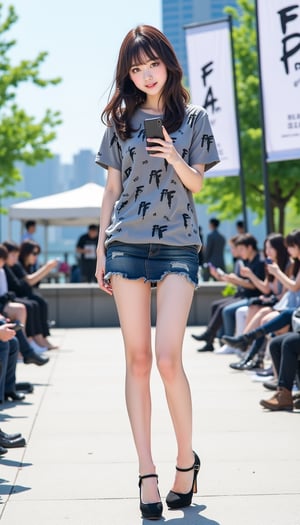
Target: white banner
212	86
279	48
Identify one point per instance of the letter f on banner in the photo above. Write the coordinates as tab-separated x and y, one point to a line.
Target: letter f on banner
278	25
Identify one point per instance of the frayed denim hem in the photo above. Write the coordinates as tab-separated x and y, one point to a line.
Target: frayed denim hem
152	281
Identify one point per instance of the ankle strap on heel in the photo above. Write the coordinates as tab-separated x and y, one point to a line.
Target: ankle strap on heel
195	466
147	476
185	469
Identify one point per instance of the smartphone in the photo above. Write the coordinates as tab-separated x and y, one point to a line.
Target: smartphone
16	325
153	129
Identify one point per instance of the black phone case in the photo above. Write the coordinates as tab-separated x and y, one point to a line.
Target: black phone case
153	129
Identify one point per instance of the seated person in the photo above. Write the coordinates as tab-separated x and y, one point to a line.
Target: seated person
245	289
281	311
22	289
248	251
9	349
285	352
15	310
271	287
25	281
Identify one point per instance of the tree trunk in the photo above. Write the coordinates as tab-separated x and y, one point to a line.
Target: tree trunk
281	218
272	219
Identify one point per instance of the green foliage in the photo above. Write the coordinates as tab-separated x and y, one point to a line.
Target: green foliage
22	137
223	195
229	290
292	216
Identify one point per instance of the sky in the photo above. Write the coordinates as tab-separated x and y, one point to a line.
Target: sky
83	40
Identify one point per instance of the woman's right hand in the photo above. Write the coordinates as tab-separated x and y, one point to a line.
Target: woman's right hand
100	273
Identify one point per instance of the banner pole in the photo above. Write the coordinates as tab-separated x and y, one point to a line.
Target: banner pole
242	174
263	134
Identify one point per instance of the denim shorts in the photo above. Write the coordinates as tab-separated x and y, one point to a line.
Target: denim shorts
151	262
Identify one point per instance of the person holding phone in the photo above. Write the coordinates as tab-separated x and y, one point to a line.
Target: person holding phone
149	236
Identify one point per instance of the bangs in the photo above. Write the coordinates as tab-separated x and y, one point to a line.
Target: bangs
290	241
293	238
141	52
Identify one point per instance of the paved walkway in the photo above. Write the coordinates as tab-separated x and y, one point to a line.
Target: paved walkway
79	466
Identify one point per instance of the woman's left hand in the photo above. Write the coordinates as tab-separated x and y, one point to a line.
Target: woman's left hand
164	148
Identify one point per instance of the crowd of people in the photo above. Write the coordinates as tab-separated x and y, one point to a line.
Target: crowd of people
24	323
259	322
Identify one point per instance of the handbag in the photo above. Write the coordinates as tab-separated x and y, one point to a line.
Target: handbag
296	320
266	301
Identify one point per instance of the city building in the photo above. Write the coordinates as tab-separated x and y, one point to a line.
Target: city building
42	179
178	13
86	170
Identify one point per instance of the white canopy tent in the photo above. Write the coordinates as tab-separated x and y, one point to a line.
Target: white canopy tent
74	207
77	207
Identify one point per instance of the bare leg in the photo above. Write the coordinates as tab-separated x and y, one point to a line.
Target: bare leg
43	341
174	298
133	299
252	310
39	339
256	320
16	312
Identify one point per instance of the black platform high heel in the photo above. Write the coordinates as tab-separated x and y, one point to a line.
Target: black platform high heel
176	500
150	511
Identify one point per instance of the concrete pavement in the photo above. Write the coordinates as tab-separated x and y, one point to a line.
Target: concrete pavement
79	465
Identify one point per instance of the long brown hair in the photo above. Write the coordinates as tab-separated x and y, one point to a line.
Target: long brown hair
293	239
143	41
277	242
27	248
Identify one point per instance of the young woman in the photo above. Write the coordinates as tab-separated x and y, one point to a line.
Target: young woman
149	236
271	287
16	312
22	290
22	267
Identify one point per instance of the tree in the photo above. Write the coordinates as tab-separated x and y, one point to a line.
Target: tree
223	195
22	137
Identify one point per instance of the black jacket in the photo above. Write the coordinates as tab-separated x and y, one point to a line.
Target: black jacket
15	284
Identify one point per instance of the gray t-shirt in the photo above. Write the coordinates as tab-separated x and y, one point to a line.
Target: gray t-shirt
154	206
